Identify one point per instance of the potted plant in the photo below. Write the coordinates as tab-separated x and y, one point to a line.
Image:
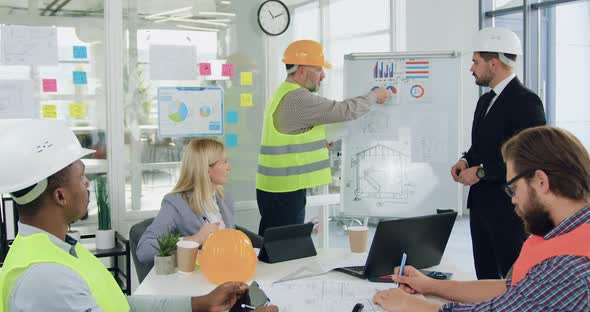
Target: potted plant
165	259
105	236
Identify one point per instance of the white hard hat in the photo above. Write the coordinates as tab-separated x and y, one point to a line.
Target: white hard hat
499	40
35	149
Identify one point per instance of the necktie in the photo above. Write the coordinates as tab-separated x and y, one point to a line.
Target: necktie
482	114
486	105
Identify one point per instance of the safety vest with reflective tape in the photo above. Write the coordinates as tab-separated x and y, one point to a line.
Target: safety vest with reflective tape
536	250
290	162
38	248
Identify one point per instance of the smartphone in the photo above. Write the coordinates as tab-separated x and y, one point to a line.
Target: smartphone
254	298
437	275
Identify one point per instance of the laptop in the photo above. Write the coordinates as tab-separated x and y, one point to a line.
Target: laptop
423	239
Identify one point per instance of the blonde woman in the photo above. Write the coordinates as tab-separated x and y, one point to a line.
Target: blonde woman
197	206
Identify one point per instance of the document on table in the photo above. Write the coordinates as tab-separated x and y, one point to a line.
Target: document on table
325	296
325	265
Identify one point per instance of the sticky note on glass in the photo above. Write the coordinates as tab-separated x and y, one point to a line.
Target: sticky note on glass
77	110
246	99
227	70
205	69
231	140
231	117
246	78
49	85
80	77
80	52
49	111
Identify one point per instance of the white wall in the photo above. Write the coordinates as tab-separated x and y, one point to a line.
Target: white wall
572	64
442	26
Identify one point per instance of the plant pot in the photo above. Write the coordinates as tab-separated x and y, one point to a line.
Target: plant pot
105	239
165	265
75	235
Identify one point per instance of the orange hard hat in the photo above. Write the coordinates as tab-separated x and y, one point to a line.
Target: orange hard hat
305	52
228	255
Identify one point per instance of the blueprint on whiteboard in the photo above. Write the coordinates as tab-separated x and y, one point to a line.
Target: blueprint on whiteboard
396	158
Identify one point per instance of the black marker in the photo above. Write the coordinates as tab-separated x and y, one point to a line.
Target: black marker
358	307
206	220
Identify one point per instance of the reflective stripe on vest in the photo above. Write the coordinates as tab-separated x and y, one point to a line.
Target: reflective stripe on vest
536	250
38	248
290	162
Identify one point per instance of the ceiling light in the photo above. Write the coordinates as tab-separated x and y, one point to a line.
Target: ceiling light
173	18
218	14
190	20
153	16
197	28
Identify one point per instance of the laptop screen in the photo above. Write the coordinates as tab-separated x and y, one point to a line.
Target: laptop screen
422	238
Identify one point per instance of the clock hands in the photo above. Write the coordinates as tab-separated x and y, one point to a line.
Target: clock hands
274	16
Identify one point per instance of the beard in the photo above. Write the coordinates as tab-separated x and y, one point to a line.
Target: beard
484	81
537	220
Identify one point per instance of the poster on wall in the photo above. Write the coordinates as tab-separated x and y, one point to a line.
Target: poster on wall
190	111
170	62
26	45
16	99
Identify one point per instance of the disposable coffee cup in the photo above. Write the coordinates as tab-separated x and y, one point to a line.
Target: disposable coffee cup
358	236
186	254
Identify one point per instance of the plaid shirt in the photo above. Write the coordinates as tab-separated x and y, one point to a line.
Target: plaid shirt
560	283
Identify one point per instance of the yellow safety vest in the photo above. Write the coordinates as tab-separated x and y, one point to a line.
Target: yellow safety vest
38	248
290	162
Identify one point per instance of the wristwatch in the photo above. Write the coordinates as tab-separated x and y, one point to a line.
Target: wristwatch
481	173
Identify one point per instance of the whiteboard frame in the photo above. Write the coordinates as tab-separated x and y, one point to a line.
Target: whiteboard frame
417	54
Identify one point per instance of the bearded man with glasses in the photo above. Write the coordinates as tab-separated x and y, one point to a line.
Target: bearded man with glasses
548	173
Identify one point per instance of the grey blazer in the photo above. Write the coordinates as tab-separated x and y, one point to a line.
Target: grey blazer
176	215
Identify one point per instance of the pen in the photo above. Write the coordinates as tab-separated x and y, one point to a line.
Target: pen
206	220
245	306
401	268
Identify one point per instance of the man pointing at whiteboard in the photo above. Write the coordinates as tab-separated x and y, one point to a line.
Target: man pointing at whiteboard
293	153
496	232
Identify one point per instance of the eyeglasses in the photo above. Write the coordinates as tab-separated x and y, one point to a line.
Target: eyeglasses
509	189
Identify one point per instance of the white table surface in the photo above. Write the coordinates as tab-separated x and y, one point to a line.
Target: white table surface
196	284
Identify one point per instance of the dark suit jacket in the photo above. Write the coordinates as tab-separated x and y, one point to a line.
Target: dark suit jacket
515	109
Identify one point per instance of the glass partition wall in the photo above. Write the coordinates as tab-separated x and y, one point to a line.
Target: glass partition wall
54	62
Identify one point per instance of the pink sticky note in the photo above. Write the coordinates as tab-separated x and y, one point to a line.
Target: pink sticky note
49	85
205	69
227	70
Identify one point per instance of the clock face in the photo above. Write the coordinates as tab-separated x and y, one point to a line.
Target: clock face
273	17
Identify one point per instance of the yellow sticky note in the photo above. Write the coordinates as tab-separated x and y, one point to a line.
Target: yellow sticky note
246	99
77	110
49	111
246	78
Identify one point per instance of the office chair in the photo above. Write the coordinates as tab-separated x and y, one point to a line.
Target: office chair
135	234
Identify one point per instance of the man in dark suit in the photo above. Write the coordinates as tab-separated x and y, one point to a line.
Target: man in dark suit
497	233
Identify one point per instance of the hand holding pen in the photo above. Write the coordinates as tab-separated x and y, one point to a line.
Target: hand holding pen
206	229
413	281
401	269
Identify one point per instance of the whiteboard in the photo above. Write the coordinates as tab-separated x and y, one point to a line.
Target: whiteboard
190	111
397	157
